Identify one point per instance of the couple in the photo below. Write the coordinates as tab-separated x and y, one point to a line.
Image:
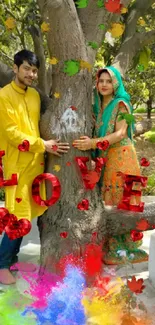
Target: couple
20	115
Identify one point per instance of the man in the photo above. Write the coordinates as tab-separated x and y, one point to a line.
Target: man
19	119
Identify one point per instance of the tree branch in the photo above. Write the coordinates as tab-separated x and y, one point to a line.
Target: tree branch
136	11
132	40
146	38
116	218
39	50
91	17
129	49
6	74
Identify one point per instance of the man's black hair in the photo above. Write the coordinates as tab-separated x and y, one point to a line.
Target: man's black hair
28	56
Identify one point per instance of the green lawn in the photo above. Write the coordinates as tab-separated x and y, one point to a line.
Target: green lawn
150	135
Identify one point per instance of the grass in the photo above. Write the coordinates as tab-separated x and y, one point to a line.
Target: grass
2	194
150	135
142	110
150	189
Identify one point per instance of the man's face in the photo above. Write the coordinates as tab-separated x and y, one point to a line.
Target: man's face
26	73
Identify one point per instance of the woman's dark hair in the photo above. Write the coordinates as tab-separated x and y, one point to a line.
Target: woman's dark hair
100	72
28	56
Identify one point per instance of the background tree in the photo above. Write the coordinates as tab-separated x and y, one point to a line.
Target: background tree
66	36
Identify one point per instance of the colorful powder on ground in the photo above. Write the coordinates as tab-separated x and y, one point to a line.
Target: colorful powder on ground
64	303
11	307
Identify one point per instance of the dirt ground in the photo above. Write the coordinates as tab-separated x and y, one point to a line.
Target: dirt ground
146	149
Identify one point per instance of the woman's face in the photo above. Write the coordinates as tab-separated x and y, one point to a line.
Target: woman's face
105	86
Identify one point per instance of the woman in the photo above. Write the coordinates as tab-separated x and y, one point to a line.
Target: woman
111	101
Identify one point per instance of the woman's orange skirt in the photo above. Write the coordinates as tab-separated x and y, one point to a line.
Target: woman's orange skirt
120	159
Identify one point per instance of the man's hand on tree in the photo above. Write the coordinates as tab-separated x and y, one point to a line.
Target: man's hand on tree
56	147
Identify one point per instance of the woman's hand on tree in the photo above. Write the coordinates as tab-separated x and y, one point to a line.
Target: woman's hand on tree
56	147
84	143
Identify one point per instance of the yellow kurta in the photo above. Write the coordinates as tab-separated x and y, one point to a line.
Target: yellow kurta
19	119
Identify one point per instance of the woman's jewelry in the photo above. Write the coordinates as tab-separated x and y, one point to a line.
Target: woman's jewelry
93	143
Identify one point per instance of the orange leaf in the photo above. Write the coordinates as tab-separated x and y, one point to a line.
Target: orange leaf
142	224
92	177
45	27
136	286
10	23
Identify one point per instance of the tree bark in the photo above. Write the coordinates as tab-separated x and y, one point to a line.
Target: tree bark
66	41
61	121
6	74
149	107
39	50
133	41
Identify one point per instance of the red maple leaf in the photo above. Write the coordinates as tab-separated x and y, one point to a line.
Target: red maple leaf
73	108
92	177
142	224
54	147
136	286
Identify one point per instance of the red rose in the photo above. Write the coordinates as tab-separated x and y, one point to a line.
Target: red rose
136	235
144	162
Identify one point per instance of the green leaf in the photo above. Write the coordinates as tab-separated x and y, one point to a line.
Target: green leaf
100	3
94	45
101	26
125	116
72	67
82	3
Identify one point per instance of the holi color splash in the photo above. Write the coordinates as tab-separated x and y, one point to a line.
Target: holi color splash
52	300
64	304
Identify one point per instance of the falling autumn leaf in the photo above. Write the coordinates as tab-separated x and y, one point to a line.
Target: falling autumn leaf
57	168
101	26
124	10
92	177
117	29
100	3
82	3
71	67
54	148
141	21
142	224
140	67
93	45
53	61
113	6
10	23
136	286
45	27
57	95
73	108
85	65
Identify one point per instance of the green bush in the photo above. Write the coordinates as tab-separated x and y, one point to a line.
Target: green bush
2	194
140	110
150	135
150	189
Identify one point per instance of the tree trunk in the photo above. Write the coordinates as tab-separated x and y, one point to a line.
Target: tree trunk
149	107
61	121
67	41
